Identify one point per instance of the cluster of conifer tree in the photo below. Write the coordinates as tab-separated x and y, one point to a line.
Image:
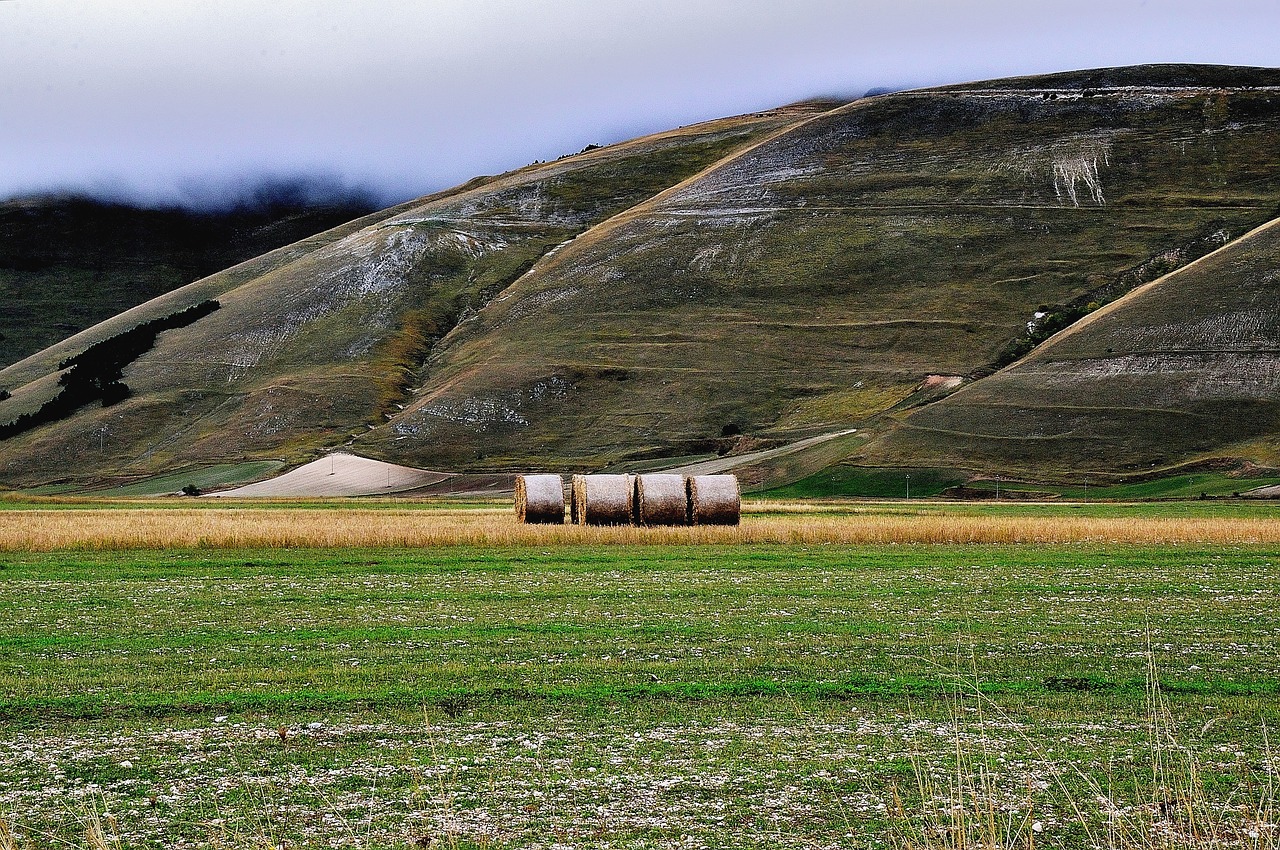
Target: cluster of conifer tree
95	373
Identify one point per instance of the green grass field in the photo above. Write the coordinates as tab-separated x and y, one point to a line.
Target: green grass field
891	483
754	696
841	480
200	477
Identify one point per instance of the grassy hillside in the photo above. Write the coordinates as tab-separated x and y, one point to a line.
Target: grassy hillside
816	280
1188	366
67	263
718	288
320	340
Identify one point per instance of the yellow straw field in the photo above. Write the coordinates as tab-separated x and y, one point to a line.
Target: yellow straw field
89	527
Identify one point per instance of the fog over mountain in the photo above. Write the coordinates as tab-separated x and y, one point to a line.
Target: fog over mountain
157	102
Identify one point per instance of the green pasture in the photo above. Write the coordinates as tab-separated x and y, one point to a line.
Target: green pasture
1186	486
201	477
892	483
754	696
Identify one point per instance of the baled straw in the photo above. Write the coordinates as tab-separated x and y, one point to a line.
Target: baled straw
714	500
661	500
602	499
540	499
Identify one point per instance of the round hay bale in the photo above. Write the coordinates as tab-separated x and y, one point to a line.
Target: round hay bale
602	499
540	499
661	500
714	500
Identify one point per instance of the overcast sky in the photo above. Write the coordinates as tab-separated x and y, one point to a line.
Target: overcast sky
162	100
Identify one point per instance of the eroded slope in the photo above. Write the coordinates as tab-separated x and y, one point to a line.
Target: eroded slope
819	278
1186	367
320	340
833	265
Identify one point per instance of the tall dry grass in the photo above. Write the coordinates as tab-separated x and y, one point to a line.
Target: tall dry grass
1174	808
7	839
145	528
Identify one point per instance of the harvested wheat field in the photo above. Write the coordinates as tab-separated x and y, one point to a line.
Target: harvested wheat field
90	526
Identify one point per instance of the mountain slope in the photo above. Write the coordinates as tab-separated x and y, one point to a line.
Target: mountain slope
1183	368
724	287
320	339
815	280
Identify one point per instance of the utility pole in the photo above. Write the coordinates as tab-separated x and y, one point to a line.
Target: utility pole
997	488
908	486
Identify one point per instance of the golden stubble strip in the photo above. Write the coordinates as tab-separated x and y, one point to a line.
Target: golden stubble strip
155	528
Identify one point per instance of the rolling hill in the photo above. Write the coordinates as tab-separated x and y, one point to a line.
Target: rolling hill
817	279
320	340
727	287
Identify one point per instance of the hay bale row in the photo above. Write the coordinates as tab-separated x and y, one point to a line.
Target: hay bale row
540	499
714	500
603	499
661	500
654	499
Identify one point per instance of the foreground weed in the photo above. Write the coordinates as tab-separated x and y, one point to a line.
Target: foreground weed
967	806
1169	807
1178	810
450	837
8	841
99	828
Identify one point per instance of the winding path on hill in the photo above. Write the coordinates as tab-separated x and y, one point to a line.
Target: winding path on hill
718	465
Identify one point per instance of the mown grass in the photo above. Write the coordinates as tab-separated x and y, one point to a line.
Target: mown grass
200	477
880	483
883	482
638	696
527	624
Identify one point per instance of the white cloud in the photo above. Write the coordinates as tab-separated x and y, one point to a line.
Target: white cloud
418	95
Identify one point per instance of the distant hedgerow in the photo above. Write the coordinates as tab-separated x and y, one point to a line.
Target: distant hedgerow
95	373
